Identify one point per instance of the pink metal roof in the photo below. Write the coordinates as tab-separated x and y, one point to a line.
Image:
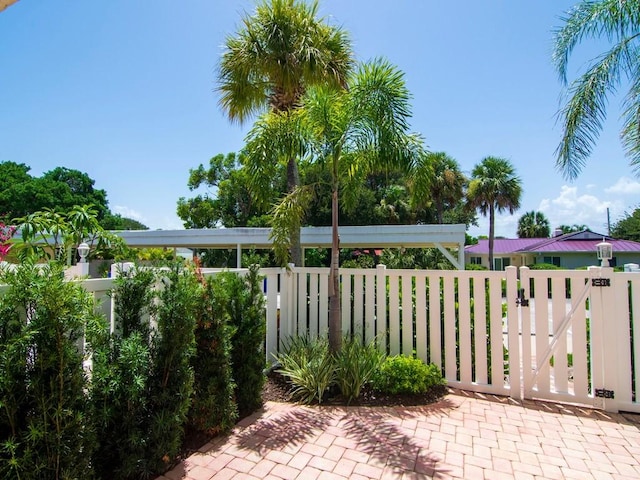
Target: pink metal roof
563	243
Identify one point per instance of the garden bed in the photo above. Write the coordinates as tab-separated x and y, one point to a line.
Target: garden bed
277	389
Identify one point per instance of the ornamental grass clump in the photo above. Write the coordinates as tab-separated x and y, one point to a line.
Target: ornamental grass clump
356	363
309	367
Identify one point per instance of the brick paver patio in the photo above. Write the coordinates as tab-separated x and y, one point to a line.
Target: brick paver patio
466	435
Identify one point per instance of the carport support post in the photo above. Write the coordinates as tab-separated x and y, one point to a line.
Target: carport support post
239	257
604	348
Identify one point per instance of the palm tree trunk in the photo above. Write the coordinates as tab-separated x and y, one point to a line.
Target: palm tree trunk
491	234
335	328
293	181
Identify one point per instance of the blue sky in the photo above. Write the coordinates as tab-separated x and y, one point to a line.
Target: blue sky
125	91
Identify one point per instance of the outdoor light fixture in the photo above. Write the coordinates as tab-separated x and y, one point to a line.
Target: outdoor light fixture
605	253
83	251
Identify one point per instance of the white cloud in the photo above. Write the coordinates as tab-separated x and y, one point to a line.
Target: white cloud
572	208
624	186
128	213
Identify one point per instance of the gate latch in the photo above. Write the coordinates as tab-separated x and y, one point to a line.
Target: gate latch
521	301
600	282
604	393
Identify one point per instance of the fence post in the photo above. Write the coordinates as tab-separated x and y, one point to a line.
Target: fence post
381	307
604	348
513	333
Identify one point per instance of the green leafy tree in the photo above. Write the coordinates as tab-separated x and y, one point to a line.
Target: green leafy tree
118	222
494	187
60	189
228	201
52	235
628	227
617	23
533	225
280	51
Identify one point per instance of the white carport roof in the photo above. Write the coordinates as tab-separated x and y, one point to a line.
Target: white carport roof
375	236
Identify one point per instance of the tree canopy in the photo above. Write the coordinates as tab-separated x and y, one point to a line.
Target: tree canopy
60	189
533	225
628	227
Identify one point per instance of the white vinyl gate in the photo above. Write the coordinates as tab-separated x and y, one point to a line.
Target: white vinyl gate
560	335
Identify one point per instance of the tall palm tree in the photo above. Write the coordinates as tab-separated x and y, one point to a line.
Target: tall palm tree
533	225
281	50
353	132
494	187
618	23
443	183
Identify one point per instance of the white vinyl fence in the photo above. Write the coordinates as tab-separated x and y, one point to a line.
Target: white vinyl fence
561	335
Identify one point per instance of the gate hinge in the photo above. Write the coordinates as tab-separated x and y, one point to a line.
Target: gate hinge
600	282
604	393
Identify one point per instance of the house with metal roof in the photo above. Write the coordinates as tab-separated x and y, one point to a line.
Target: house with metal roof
569	250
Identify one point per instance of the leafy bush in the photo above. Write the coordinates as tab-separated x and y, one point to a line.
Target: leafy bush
142	377
241	299
309	367
171	381
402	374
543	266
44	429
356	363
213	409
121	376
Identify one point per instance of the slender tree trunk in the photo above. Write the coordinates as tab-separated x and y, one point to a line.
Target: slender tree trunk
439	209
491	234
335	327
293	181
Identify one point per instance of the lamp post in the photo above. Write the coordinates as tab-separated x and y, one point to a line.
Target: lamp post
83	251
605	253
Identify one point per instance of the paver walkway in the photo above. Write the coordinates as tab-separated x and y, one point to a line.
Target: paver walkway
466	435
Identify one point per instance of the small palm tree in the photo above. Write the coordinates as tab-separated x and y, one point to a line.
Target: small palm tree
618	23
533	225
494	187
352	132
280	51
438	178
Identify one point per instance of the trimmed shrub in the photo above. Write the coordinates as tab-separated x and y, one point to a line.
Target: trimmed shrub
171	381
121	376
242	299
44	430
401	374
213	409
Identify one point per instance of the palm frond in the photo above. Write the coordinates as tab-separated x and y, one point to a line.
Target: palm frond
585	112
286	218
630	134
612	19
273	140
